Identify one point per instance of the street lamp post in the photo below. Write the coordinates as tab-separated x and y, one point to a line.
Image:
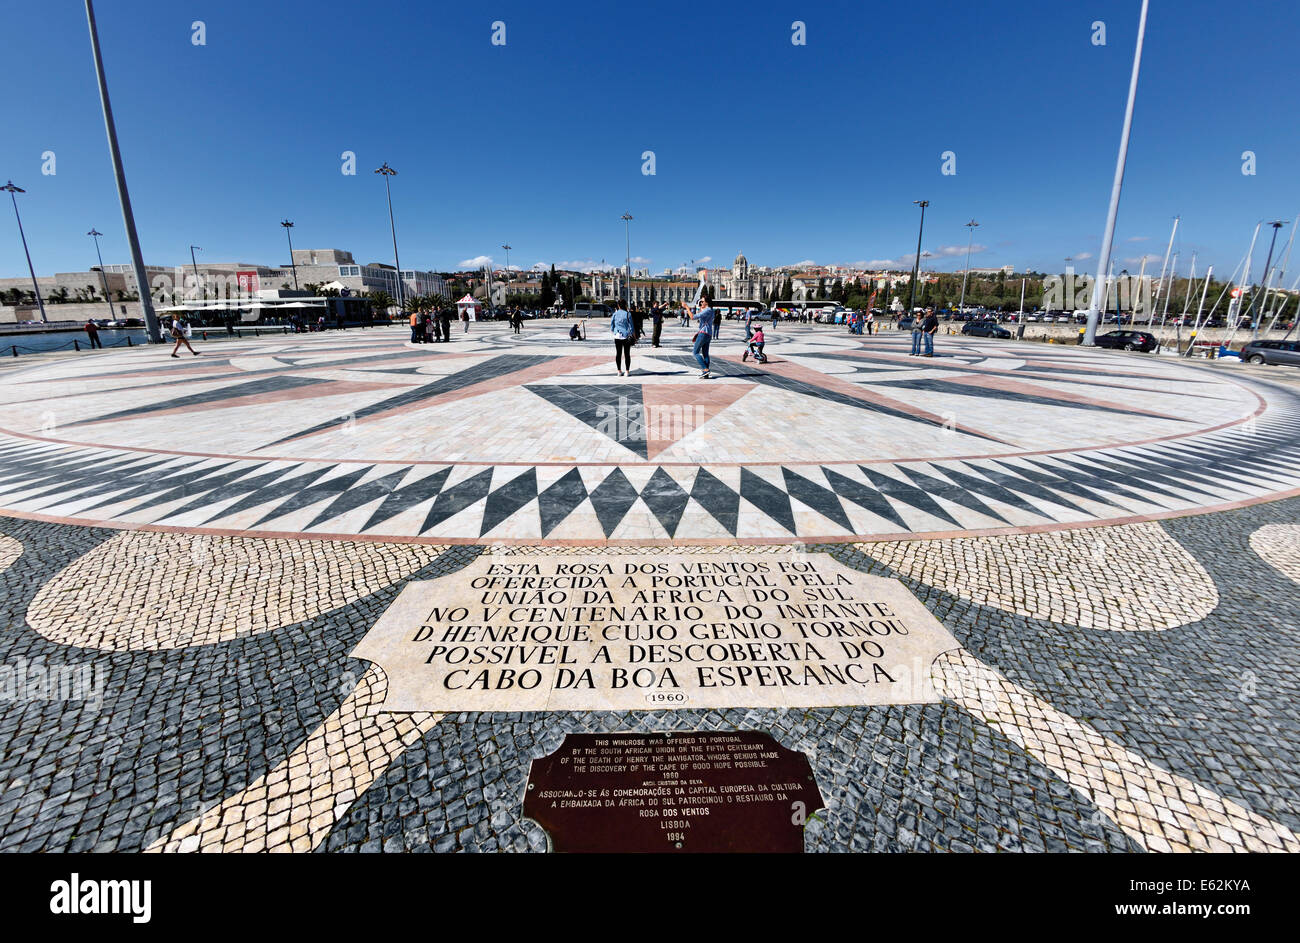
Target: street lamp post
911	295
103	277
124	197
35	287
1263	285
508	247
972	225
1103	263
627	233
387	172
288	231
195	264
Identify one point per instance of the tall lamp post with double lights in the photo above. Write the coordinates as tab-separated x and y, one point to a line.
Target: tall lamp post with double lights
12	190
288	231
104	278
195	264
627	235
386	172
972	226
916	269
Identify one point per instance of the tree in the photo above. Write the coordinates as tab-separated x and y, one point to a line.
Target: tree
548	290
381	301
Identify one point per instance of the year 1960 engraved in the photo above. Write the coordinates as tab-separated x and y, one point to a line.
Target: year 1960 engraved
667	697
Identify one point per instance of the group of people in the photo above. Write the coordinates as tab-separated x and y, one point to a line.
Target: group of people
434	327
861	322
627	328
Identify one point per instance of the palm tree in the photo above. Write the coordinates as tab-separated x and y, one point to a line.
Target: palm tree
381	301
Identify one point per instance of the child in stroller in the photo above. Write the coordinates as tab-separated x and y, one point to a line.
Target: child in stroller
755	347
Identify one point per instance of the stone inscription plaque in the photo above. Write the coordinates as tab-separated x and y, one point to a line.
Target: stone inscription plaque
647	631
739	791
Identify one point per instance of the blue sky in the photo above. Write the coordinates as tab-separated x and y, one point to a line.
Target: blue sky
787	153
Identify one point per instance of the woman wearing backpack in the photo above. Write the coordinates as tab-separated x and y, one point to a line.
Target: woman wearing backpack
620	325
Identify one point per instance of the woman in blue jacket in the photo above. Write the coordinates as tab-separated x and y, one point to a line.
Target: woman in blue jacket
620	325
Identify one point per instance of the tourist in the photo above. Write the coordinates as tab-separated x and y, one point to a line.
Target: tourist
430	324
755	346
624	331
464	319
916	336
516	319
178	332
417	330
705	318
638	319
574	333
657	318
929	328
444	316
92	332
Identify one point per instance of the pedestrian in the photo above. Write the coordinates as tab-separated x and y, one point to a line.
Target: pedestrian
749	323
704	319
657	319
574	333
929	328
430	325
178	332
92	332
444	317
417	329
516	320
916	336
871	322
464	319
624	331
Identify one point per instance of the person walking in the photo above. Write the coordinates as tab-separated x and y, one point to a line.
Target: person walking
516	319
624	331
178	332
705	319
464	319
929	328
657	319
92	332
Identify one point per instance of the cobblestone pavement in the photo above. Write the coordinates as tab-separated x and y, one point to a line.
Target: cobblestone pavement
1117	688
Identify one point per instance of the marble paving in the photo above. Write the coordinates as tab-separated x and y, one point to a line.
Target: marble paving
191	550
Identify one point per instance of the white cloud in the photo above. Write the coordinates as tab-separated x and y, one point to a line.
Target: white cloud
477	262
639	260
1138	261
1083	256
1137	238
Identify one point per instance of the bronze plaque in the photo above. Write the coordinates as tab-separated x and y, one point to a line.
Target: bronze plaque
677	792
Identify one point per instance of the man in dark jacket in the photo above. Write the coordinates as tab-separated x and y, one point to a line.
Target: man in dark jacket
656	316
929	328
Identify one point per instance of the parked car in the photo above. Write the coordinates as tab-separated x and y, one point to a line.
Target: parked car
1272	352
985	329
1128	340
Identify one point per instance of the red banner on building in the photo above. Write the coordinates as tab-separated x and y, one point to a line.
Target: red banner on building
248	282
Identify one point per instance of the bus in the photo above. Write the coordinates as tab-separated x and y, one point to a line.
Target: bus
731	308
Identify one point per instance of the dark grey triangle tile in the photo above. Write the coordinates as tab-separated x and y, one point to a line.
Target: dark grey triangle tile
403	499
313	493
908	494
455	499
558	501
716	498
820	499
272	492
356	497
864	496
508	499
666	500
768	498
950	492
611	500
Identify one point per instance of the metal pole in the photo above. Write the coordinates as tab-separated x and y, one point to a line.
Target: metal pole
36	289
971	226
387	172
1281	275
627	233
1163	265
288	231
916	270
196	270
1103	263
1268	262
102	276
128	218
